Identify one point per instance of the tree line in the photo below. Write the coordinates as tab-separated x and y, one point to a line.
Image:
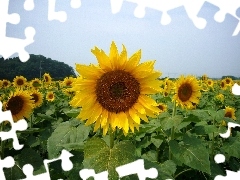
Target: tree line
35	67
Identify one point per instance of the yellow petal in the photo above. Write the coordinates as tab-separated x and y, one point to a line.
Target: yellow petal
139	108
122	58
123	121
134	116
113	55
89	72
102	58
133	61
104	117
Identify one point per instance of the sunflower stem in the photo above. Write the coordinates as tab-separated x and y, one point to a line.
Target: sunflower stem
172	130
111	137
2	142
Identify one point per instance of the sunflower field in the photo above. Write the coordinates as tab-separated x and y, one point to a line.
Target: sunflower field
118	111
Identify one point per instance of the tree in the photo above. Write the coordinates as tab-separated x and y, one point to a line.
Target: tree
35	67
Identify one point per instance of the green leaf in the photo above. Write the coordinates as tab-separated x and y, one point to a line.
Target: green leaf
170	122
165	170
72	112
192	118
207	129
157	140
30	156
232	146
13	173
150	155
98	156
65	134
192	153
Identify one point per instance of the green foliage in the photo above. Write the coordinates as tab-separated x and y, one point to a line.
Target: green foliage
100	157
35	67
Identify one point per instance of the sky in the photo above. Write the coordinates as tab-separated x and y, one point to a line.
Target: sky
179	48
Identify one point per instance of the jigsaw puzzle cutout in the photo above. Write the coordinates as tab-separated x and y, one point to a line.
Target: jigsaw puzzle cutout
7	162
9	45
20	125
66	166
192	9
136	167
220	158
60	15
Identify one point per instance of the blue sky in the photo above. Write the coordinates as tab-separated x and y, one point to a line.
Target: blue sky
178	48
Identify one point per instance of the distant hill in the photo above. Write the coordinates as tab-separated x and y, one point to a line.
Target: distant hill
35	67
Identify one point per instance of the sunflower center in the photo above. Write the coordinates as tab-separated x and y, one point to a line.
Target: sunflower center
15	105
69	83
35	97
185	92
228	114
46	78
117	91
227	81
50	96
5	83
20	82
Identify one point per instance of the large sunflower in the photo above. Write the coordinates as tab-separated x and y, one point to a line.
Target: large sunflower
19	81
115	92
20	104
187	92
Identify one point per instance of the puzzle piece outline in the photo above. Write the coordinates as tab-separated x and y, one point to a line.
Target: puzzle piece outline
192	9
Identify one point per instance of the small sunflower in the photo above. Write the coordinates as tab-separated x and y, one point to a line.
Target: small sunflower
204	77
162	107
187	92
50	96
19	81
20	104
115	92
6	83
68	81
220	97
210	83
37	97
223	85
229	81
230	112
47	78
1	83
36	83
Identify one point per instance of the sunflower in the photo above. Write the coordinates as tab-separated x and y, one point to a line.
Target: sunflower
115	93
6	83
68	81
37	97
169	85
162	107
223	85
187	92
220	97
19	81
204	77
229	81
36	83
50	96
1	83
230	112
20	104
47	78
210	83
